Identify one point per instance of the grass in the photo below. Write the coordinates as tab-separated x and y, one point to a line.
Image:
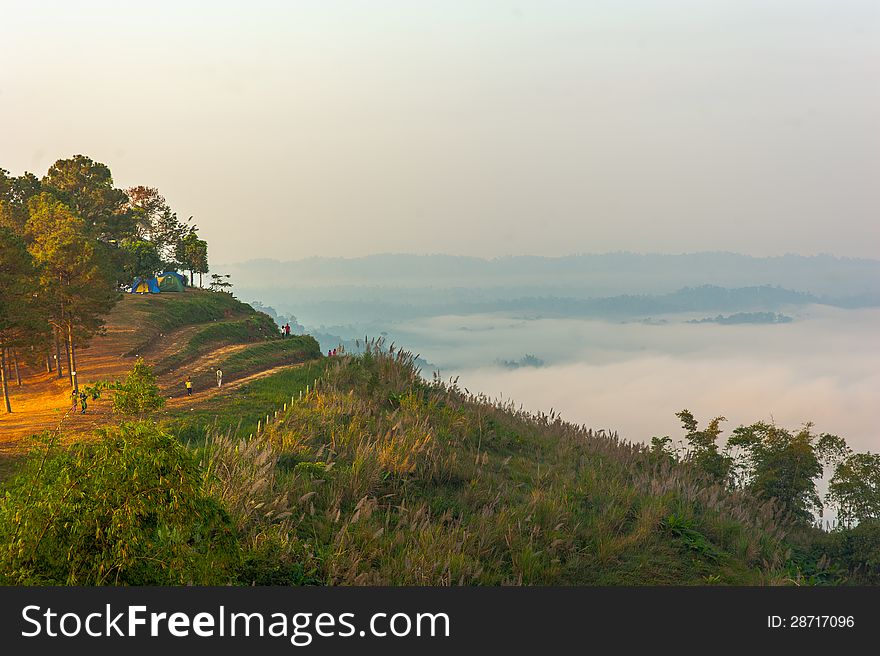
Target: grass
375	476
250	404
161	313
383	478
253	328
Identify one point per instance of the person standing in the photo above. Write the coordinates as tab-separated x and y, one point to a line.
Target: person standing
189	386
219	378
287	329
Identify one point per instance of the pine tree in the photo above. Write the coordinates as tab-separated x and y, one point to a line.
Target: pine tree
17	301
73	278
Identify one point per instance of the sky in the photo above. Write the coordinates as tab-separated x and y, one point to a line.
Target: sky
478	127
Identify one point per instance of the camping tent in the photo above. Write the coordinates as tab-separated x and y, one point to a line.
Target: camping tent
170	281
145	286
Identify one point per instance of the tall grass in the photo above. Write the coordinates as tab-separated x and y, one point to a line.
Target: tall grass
377	476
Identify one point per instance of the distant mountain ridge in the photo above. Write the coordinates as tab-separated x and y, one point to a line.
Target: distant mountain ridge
587	275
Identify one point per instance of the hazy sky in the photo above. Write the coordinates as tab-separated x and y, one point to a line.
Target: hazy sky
475	127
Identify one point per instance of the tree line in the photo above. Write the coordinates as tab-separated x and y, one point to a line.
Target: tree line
69	243
775	463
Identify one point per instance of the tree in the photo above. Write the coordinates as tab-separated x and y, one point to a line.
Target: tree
86	187
73	279
778	464
192	254
17	306
219	282
703	451
156	222
146	204
141	258
15	193
200	259
855	488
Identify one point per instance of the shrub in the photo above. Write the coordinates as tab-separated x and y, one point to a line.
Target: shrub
129	509
139	392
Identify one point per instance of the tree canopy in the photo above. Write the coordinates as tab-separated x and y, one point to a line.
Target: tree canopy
71	242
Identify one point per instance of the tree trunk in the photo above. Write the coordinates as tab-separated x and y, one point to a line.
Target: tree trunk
58	353
3	379
69	362
15	365
48	362
72	349
200	278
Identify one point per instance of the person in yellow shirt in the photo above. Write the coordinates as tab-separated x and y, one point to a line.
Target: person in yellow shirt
189	386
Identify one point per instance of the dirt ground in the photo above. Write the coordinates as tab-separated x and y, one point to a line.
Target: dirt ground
43	401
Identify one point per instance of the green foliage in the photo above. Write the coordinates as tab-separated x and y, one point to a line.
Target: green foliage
15	193
250	404
138	393
74	282
858	549
141	258
377	477
86	187
192	254
783	465
163	313
662	449
252	328
220	282
703	448
855	488
684	530
21	316
129	509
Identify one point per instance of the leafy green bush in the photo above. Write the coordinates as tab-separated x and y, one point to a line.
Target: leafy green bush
858	549
139	392
129	509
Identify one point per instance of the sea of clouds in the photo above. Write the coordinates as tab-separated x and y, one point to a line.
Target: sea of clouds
632	377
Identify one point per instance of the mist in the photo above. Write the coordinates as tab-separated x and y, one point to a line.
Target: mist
631	377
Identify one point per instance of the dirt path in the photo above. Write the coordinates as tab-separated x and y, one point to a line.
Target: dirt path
43	402
182	400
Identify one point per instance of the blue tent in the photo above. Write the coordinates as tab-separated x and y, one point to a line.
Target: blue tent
145	286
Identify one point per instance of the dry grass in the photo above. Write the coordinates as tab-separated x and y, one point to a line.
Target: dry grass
376	476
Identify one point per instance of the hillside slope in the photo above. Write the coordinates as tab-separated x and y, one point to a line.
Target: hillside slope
355	470
189	334
383	478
